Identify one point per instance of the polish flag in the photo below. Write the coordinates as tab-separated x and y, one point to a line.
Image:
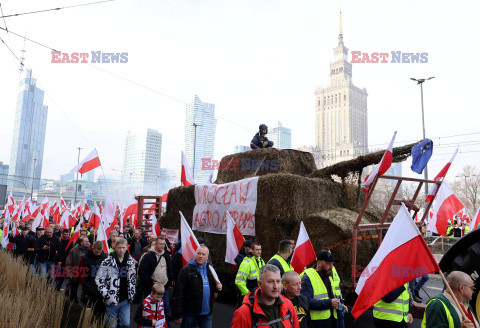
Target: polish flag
155	226
131	210
440	176
26	209
56	215
76	234
94	220
382	167
100	207
164	197
102	236
304	254
402	256
6	224
235	240
475	221
89	163
189	242
63	204
108	215
187	177
67	220
10	204
445	207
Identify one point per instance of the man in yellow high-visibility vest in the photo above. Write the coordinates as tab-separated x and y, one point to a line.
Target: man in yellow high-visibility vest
280	260
323	298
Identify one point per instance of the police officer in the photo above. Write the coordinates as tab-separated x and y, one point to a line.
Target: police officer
260	140
247	275
280	260
393	310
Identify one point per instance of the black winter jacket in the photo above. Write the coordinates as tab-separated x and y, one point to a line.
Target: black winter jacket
188	291
51	254
147	267
21	244
91	262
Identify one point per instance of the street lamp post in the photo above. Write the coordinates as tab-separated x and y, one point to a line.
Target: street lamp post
194	146
421	81
33	177
76	180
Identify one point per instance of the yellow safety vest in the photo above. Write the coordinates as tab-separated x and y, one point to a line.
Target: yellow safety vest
448	230
335	282
248	270
447	311
466	230
285	265
395	311
319	293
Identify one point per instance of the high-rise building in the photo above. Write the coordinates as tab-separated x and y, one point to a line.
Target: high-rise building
26	157
200	126
341	112
281	137
3	173
141	160
241	149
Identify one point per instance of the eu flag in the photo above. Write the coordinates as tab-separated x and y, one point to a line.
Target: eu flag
421	153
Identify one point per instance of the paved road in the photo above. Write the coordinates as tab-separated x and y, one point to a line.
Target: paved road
223	312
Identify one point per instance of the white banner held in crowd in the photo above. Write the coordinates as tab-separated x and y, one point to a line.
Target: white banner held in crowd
212	201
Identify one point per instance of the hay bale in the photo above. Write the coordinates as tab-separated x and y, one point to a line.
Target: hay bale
343	169
260	162
283	201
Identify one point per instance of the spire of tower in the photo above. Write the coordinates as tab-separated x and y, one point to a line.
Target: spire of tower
340	35
22	59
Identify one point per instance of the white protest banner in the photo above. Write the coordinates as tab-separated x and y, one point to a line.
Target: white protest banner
172	235
212	201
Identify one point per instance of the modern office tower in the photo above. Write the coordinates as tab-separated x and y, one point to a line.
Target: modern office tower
281	136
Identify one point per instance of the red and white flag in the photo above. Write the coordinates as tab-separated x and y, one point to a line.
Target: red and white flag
102	236
76	234
155	226
304	254
131	210
94	220
108	214
440	176
235	240
68	220
402	256
89	163
10	204
382	167
189	242
475	221
187	177
446	205
63	205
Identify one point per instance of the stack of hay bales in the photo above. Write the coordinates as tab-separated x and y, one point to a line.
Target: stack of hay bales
285	197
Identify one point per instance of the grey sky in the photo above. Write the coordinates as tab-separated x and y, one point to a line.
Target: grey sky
258	61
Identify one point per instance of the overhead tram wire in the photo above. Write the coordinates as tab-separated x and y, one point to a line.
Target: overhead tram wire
53	9
6	45
24	37
163	94
9	40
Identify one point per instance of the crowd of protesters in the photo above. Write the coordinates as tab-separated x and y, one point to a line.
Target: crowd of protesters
132	267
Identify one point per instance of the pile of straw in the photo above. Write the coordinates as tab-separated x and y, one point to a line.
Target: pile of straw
29	301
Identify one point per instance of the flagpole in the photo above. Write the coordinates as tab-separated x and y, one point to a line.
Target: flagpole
453	295
76	180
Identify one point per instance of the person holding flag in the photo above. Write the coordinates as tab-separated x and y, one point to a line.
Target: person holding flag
443	311
247	275
194	291
393	310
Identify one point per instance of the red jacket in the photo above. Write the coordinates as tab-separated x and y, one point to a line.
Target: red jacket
242	318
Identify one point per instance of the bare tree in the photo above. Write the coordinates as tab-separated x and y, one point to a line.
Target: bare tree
467	187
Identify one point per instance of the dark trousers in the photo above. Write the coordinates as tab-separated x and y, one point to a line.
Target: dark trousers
379	323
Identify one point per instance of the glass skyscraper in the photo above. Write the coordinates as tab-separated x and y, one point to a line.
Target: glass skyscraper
203	115
281	137
141	160
26	157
